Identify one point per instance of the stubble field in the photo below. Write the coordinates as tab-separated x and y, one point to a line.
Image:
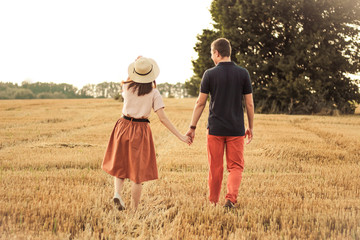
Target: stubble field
301	178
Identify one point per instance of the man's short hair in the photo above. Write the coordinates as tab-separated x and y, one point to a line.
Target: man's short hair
222	45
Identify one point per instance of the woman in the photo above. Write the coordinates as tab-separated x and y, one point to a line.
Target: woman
130	152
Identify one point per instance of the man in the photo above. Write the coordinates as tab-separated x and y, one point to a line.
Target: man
227	84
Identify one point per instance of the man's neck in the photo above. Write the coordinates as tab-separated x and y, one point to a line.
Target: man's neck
225	59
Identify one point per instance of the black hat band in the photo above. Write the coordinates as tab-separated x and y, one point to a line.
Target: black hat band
145	73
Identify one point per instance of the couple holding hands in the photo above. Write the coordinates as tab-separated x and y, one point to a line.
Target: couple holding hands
130	152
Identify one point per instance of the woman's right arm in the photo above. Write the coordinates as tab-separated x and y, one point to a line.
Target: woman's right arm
164	120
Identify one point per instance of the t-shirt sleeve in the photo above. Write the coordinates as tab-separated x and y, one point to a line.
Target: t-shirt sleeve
247	89
157	101
205	83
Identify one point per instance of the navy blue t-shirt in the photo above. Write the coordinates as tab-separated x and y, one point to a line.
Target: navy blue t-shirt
226	83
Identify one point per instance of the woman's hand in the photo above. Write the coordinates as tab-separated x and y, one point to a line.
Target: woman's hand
164	120
186	139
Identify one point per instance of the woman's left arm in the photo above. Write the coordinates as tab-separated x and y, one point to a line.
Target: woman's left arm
167	123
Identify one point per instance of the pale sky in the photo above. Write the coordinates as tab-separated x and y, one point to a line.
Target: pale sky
84	41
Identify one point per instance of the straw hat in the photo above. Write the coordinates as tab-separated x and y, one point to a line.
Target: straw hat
143	70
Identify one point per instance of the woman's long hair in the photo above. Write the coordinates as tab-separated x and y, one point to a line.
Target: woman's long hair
141	88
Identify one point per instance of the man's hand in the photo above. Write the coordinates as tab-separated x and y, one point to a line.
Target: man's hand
198	109
191	134
249	134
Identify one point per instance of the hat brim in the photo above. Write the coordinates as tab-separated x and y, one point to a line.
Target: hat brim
148	78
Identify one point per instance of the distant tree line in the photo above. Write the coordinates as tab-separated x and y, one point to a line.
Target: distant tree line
177	90
299	53
40	90
102	90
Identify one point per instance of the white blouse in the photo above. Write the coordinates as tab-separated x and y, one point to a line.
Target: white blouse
140	106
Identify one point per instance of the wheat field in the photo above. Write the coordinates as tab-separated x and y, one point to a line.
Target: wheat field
301	177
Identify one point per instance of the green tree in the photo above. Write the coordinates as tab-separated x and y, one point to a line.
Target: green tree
8	90
169	90
40	87
49	95
192	86
298	52
106	89
24	94
203	62
88	90
164	88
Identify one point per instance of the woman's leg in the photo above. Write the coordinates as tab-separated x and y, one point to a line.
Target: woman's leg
136	193
118	183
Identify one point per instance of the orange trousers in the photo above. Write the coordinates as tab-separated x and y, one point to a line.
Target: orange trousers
235	165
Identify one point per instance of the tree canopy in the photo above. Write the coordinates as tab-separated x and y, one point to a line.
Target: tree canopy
298	52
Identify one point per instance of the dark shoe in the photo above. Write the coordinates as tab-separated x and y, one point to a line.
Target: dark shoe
229	204
118	202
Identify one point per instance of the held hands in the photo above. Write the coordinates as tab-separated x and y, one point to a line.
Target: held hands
191	134
249	134
189	137
186	139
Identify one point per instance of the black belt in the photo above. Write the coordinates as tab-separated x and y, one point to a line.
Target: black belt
136	119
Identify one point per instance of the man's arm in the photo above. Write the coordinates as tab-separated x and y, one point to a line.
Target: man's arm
198	109
249	103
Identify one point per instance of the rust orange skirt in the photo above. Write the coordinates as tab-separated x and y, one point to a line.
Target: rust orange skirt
131	152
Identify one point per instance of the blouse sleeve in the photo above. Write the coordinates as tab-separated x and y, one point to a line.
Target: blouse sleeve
157	101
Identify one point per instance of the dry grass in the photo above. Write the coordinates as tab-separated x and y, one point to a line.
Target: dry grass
301	178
